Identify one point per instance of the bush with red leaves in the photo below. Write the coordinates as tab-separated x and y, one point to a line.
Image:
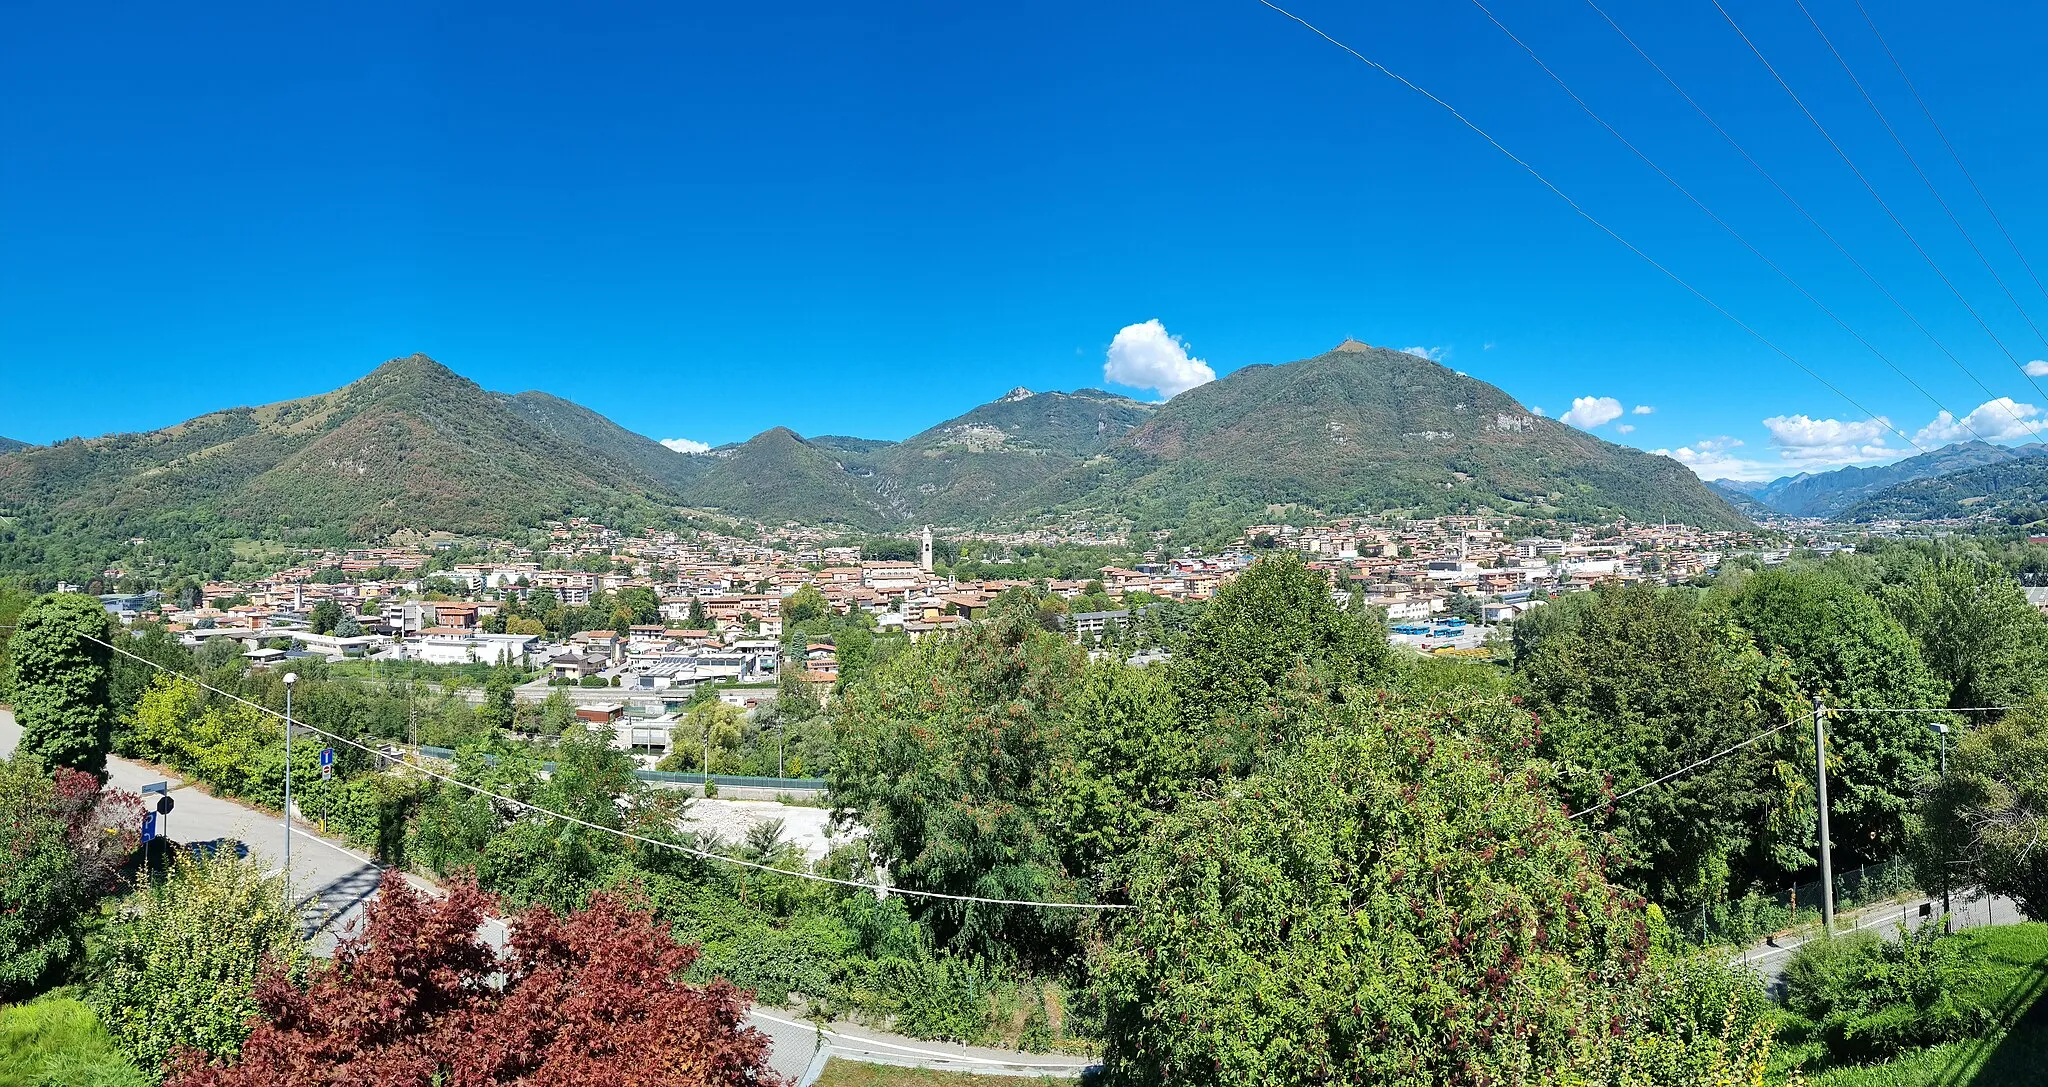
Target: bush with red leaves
417	998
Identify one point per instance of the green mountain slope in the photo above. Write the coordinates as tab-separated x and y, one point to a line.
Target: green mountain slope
9	445
411	446
777	476
587	430
1825	494
965	468
2014	491
1363	429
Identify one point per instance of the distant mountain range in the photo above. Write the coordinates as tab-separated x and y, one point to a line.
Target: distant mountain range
9	445
1856	494
414	446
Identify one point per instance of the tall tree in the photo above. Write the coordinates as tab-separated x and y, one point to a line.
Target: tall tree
61	697
1986	824
1391	901
1273	629
948	754
1634	682
1975	629
1844	648
419	999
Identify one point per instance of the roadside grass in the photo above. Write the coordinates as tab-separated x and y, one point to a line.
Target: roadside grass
2013	978
57	1041
844	1073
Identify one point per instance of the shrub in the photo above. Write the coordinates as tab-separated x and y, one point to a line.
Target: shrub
66	839
178	970
1870	997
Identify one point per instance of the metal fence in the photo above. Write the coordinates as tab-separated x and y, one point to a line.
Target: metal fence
1759	914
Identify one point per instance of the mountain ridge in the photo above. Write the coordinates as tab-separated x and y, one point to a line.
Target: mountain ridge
413	447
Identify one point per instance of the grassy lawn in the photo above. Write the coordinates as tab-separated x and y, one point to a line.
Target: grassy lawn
2018	957
56	1041
839	1073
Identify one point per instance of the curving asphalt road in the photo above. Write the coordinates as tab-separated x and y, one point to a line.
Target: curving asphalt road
334	882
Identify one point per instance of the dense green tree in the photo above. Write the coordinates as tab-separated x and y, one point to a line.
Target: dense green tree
806	605
499	709
60	652
948	755
1125	759
1273	629
1391	901
710	729
325	615
1634	682
177	970
1985	825
1843	647
1975	628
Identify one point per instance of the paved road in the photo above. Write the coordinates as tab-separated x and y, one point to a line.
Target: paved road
1768	958
330	880
334	883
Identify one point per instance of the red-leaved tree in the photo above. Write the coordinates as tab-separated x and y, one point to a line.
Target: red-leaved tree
417	998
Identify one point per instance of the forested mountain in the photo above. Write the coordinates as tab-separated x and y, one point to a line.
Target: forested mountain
410	446
9	445
584	429
1826	494
2014	490
777	476
1364	429
415	446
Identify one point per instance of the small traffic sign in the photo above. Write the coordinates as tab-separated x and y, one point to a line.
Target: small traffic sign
156	787
164	804
148	826
326	758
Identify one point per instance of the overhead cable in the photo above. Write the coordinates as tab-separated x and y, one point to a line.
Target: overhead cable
1594	220
626	834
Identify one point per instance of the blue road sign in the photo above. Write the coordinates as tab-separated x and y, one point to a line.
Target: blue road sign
326	758
148	826
156	787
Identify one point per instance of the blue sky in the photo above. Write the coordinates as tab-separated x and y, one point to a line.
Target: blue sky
707	220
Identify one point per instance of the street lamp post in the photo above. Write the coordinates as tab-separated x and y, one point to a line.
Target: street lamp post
1941	730
291	679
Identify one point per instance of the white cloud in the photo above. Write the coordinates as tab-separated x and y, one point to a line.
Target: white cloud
685	445
2037	368
1803	440
1537	409
2000	420
1712	458
1433	354
1591	411
1625	428
1146	356
1642	409
1487	346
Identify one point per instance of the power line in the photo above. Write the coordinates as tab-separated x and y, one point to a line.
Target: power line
1885	206
1724	752
1952	154
1591	218
1932	190
1718	220
626	834
1795	203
